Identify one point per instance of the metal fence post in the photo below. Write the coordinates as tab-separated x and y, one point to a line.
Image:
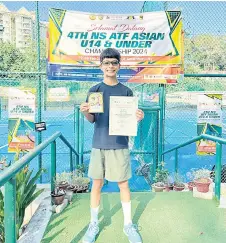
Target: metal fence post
71	160
161	123
176	160
81	138
53	164
142	94
155	139
10	211
218	170
39	93
76	112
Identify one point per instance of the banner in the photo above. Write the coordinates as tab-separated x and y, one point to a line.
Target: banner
151	45
58	94
21	120
209	112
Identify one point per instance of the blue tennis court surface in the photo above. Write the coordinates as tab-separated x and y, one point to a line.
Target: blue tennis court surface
177	130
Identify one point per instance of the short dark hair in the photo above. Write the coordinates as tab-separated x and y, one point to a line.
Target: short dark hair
110	53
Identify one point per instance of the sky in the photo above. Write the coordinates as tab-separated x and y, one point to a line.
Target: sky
86	6
198	17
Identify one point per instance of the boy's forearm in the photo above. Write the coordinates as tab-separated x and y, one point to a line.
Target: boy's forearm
89	117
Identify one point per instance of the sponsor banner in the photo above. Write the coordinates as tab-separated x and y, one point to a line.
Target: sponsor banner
151	45
21	120
209	121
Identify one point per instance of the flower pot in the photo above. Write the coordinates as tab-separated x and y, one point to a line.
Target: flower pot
168	188
178	188
63	185
158	188
82	188
73	188
191	184
57	199
202	185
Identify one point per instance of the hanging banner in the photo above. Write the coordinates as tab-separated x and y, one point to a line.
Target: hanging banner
209	118
21	120
60	94
151	45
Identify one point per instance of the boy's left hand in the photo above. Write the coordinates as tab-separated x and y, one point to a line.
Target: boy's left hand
139	115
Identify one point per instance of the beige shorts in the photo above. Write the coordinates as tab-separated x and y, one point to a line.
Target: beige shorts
113	164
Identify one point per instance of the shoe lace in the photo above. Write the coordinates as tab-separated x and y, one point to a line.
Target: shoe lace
93	229
133	228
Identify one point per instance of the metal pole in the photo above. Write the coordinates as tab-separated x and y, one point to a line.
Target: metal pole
45	94
39	94
81	138
156	141
10	211
142	95
176	160
218	170
71	160
76	112
161	123
53	164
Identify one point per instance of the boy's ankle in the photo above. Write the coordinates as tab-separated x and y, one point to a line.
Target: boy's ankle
94	222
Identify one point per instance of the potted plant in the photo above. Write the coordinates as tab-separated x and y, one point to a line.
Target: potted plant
169	184
62	180
160	178
58	195
178	182
26	193
80	170
191	183
77	182
3	163
202	179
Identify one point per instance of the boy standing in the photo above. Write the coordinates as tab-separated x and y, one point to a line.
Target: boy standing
110	157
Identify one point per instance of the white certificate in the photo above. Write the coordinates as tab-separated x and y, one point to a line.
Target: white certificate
122	116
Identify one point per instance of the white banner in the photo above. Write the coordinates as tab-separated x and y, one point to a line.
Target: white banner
209	121
58	94
21	120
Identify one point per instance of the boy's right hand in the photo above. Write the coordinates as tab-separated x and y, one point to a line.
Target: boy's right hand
84	107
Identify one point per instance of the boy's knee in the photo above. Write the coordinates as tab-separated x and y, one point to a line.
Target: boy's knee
123	185
97	184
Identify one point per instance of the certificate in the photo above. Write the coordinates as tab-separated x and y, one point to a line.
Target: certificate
95	101
122	116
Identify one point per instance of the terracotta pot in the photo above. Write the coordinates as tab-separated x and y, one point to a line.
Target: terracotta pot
57	199
191	184
202	185
178	188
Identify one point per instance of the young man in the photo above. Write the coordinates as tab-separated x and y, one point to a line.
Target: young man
110	157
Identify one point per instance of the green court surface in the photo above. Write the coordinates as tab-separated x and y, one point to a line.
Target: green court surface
167	217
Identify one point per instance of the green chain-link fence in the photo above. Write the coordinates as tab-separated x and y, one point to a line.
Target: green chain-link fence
205	71
19	69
